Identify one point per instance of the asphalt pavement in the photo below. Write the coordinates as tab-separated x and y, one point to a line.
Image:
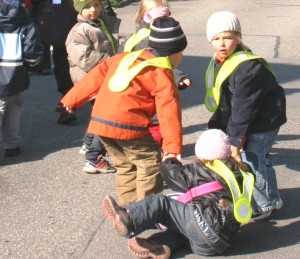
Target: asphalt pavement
50	209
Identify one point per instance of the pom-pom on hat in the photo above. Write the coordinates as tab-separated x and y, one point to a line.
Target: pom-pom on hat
220	22
213	144
166	36
80	4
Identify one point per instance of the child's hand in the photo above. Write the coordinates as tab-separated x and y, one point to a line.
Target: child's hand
236	155
68	109
186	82
67	115
169	155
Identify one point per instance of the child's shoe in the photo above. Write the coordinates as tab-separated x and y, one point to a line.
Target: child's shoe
11	152
66	117
146	248
101	165
118	216
266	213
84	148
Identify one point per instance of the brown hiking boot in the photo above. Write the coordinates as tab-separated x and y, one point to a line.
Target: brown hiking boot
118	216
145	248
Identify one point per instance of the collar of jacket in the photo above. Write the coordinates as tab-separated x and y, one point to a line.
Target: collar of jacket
220	59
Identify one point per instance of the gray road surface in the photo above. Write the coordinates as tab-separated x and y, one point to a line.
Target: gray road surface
50	209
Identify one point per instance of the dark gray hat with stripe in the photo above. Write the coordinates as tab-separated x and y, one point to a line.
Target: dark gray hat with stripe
166	36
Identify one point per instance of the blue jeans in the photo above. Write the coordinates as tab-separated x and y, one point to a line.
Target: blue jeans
178	217
265	191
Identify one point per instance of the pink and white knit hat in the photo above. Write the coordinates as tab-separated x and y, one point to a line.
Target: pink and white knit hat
156	13
213	144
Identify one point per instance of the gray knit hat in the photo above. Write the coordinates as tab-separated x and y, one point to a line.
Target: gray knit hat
220	22
166	36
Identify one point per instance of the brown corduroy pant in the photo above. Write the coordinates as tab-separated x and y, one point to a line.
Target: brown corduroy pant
137	162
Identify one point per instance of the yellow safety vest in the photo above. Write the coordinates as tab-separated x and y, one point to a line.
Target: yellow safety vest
213	85
123	74
241	199
136	38
108	35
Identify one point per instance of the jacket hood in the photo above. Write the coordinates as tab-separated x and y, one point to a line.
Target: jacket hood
12	17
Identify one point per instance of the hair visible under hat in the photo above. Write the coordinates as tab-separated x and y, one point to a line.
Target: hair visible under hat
80	4
220	22
166	36
213	144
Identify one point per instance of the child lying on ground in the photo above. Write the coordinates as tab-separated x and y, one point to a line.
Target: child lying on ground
207	216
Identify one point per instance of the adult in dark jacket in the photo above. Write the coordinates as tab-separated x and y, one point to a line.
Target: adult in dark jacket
248	103
54	22
20	51
35	8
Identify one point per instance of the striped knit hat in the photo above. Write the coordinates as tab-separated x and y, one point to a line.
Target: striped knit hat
166	36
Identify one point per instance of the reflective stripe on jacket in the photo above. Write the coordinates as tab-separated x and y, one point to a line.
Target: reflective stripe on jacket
127	114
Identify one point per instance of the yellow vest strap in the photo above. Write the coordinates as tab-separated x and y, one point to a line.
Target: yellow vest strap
241	200
213	85
108	35
123	75
135	38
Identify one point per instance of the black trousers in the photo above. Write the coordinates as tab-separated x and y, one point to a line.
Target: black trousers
61	70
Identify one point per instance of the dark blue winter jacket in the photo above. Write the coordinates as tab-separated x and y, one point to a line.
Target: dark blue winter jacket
20	49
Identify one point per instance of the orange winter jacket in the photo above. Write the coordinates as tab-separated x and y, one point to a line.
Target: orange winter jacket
127	114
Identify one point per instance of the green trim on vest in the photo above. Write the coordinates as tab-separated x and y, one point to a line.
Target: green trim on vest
214	85
108	35
124	75
136	38
241	199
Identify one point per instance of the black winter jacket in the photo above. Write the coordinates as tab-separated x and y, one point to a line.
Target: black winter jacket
252	101
181	178
15	23
54	21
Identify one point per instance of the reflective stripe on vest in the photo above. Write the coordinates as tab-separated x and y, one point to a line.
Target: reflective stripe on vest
241	200
136	38
108	35
11	49
213	85
123	74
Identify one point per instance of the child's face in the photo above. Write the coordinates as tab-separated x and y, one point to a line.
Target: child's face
92	10
225	43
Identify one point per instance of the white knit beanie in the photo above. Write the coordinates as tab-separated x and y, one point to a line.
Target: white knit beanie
220	22
213	144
